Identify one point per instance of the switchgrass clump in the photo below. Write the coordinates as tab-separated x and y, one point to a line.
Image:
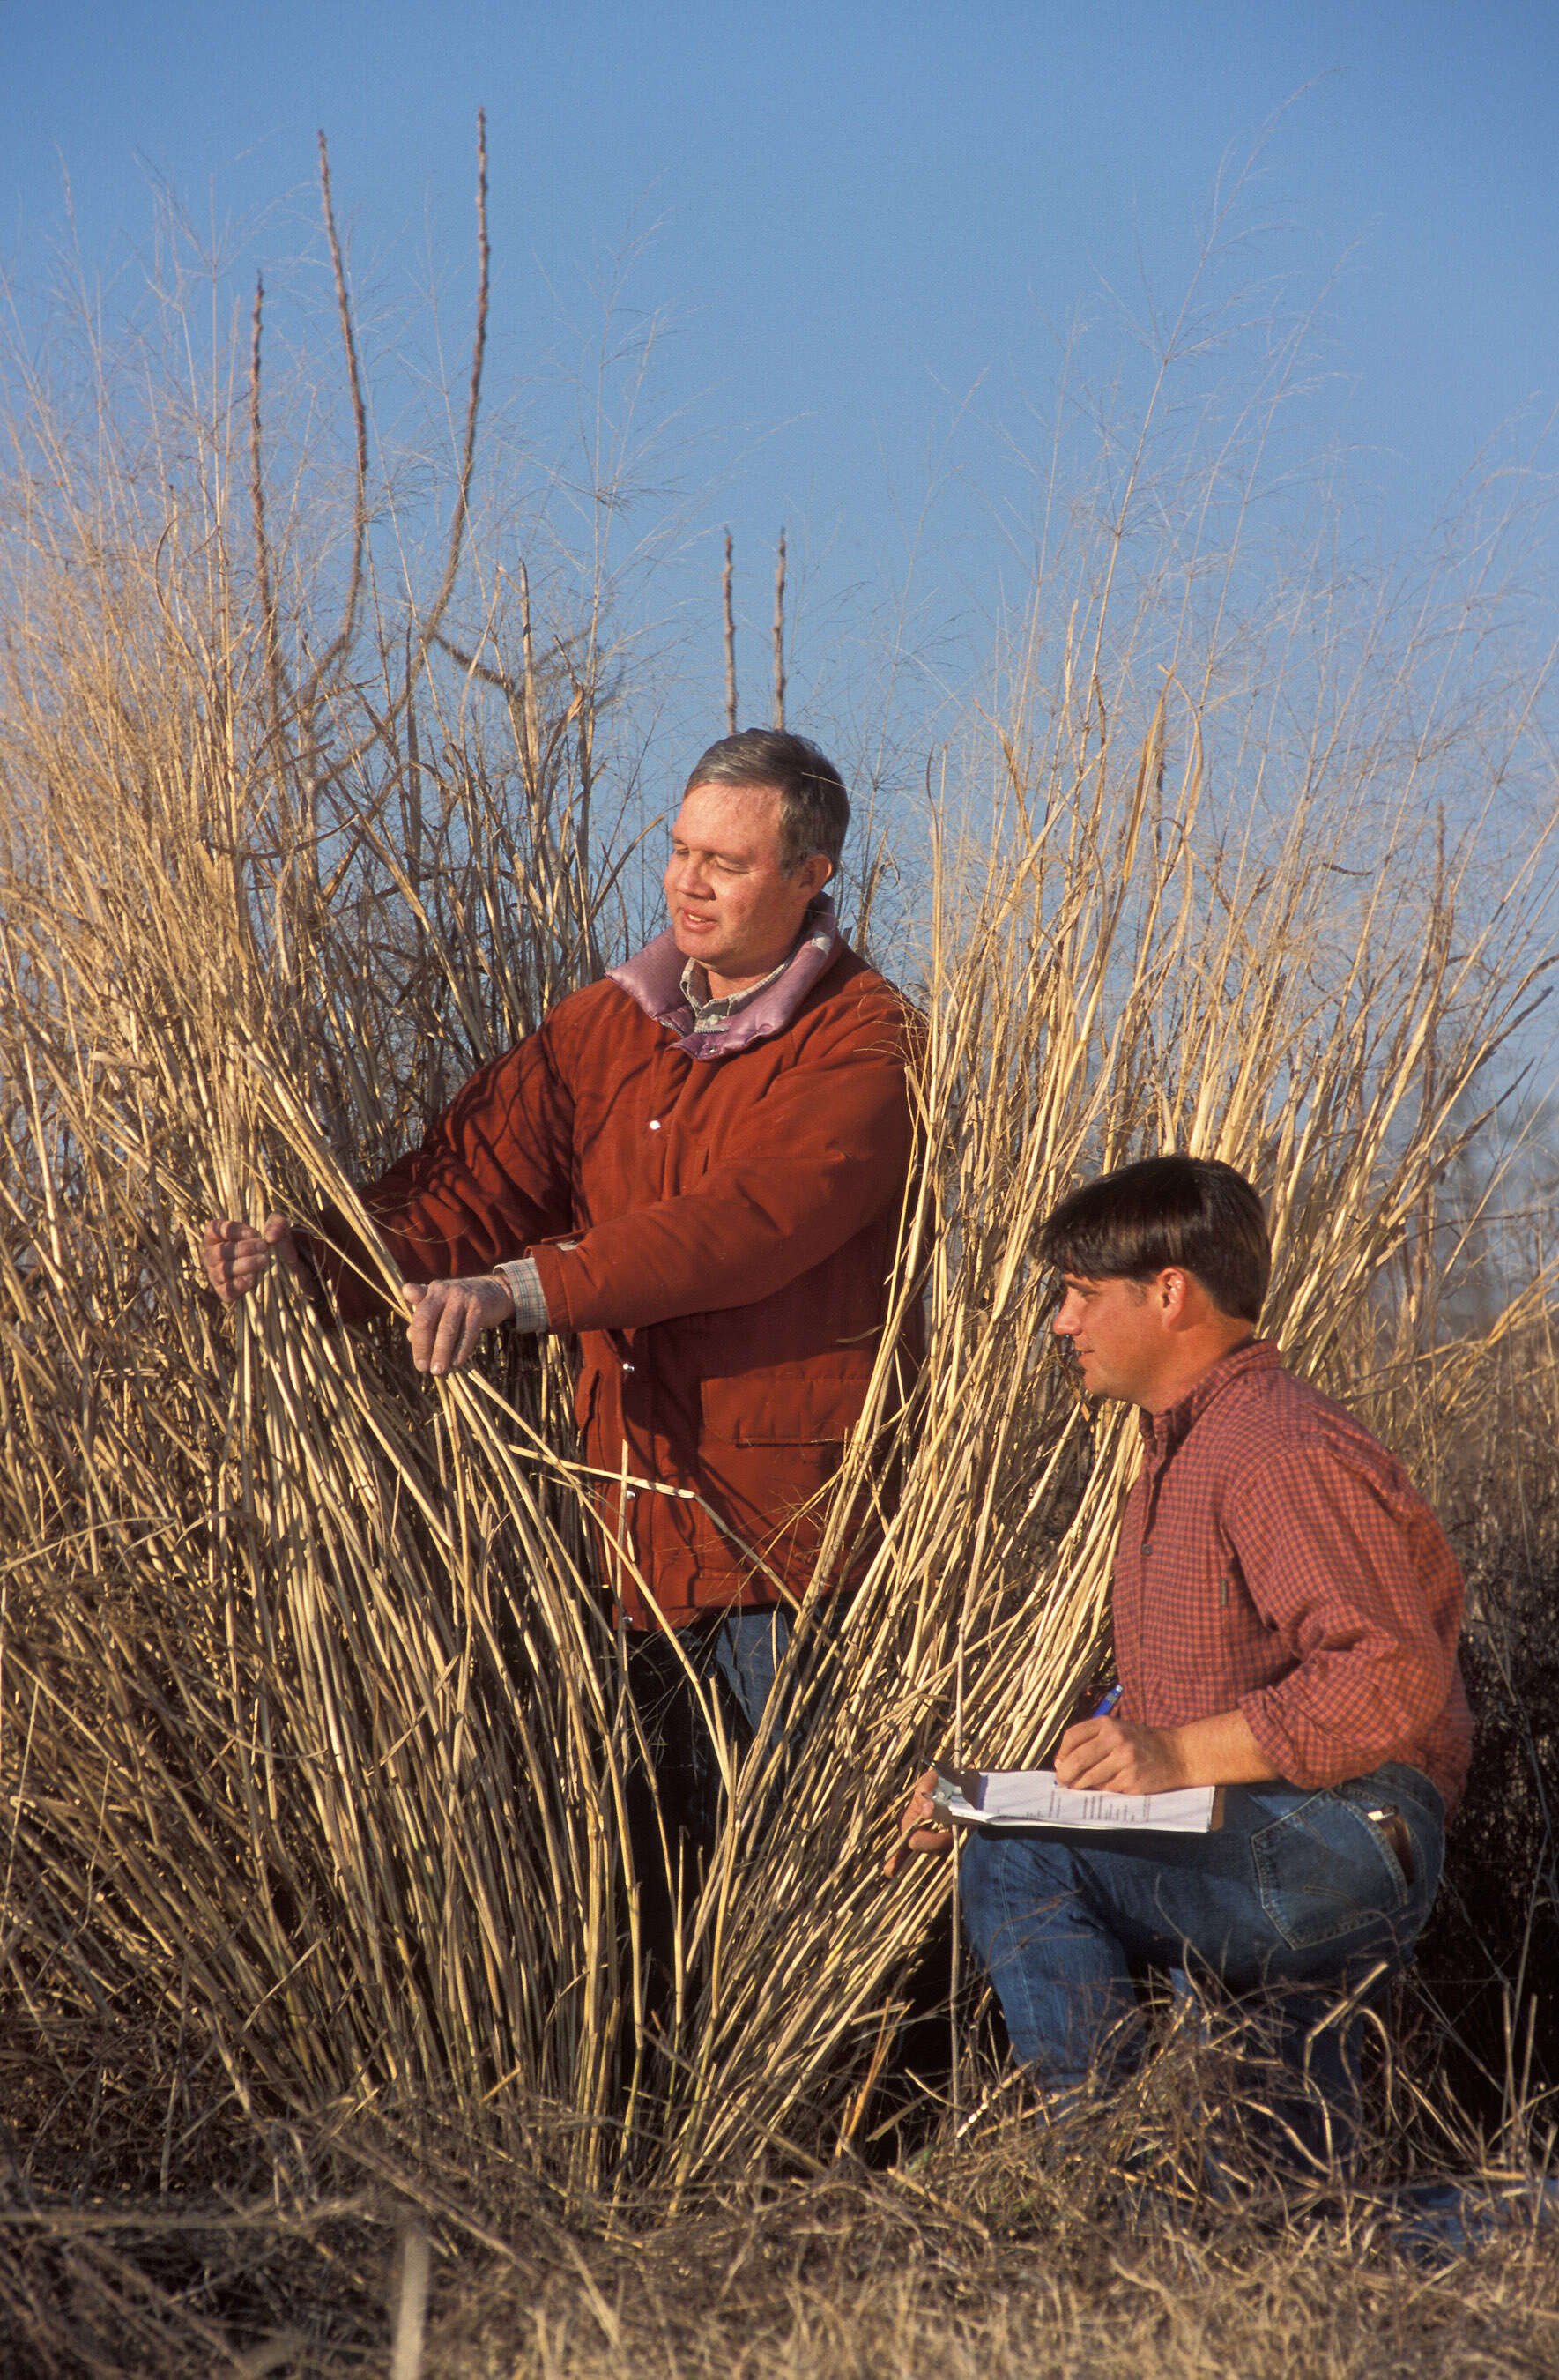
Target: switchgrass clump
315	1720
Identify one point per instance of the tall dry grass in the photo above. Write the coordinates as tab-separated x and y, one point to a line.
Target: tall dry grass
316	1733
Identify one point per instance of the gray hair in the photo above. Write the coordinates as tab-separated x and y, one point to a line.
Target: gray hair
813	806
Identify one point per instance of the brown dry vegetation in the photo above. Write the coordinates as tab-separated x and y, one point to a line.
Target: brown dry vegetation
1017	2250
319	1924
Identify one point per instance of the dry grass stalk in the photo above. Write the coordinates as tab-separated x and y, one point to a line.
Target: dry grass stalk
728	621
779	634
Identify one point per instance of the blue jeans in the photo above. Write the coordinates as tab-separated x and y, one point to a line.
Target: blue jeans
747	1648
1298	1894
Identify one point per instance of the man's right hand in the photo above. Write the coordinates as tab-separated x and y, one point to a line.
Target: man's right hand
236	1255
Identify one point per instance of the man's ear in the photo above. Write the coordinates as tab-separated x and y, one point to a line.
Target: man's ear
1178	1295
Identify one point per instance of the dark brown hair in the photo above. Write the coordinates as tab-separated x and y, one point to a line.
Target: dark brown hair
1191	1211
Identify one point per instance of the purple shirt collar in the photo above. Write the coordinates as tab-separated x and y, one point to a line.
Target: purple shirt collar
654	981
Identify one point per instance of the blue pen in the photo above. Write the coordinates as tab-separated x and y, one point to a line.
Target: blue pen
1108	1704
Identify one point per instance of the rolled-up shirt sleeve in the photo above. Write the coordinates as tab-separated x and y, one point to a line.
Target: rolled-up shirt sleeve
1348	1568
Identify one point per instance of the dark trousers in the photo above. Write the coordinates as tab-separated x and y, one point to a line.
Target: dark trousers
733	1657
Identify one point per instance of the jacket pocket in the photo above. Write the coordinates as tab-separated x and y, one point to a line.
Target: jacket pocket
816	1401
1327	1869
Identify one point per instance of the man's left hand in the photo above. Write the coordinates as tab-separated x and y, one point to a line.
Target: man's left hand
1110	1756
1100	1756
448	1318
922	1827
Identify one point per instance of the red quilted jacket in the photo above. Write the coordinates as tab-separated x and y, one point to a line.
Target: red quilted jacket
715	1217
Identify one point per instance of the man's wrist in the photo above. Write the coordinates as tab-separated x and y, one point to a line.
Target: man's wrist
523	1282
1181	1746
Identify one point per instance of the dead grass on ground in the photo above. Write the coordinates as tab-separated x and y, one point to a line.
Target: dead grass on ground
1123	2239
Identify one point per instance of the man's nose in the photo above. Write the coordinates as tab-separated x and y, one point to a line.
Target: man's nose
1065	1322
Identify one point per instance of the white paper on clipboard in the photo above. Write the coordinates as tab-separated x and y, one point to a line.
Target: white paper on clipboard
998	1798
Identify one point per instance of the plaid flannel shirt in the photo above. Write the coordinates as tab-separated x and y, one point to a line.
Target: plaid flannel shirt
1275	1558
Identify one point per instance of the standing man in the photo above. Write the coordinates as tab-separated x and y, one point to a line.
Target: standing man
696	1166
1285	1611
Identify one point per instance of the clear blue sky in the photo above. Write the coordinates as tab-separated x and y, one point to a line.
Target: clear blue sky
866	221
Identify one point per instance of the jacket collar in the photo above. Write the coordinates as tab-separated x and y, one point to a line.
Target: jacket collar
654	981
1163	1432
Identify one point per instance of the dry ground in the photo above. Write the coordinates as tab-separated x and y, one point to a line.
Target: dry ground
1111	2246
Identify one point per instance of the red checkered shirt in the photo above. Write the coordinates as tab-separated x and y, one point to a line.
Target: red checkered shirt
1274	1556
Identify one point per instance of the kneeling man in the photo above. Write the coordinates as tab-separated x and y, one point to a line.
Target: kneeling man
1285	1611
